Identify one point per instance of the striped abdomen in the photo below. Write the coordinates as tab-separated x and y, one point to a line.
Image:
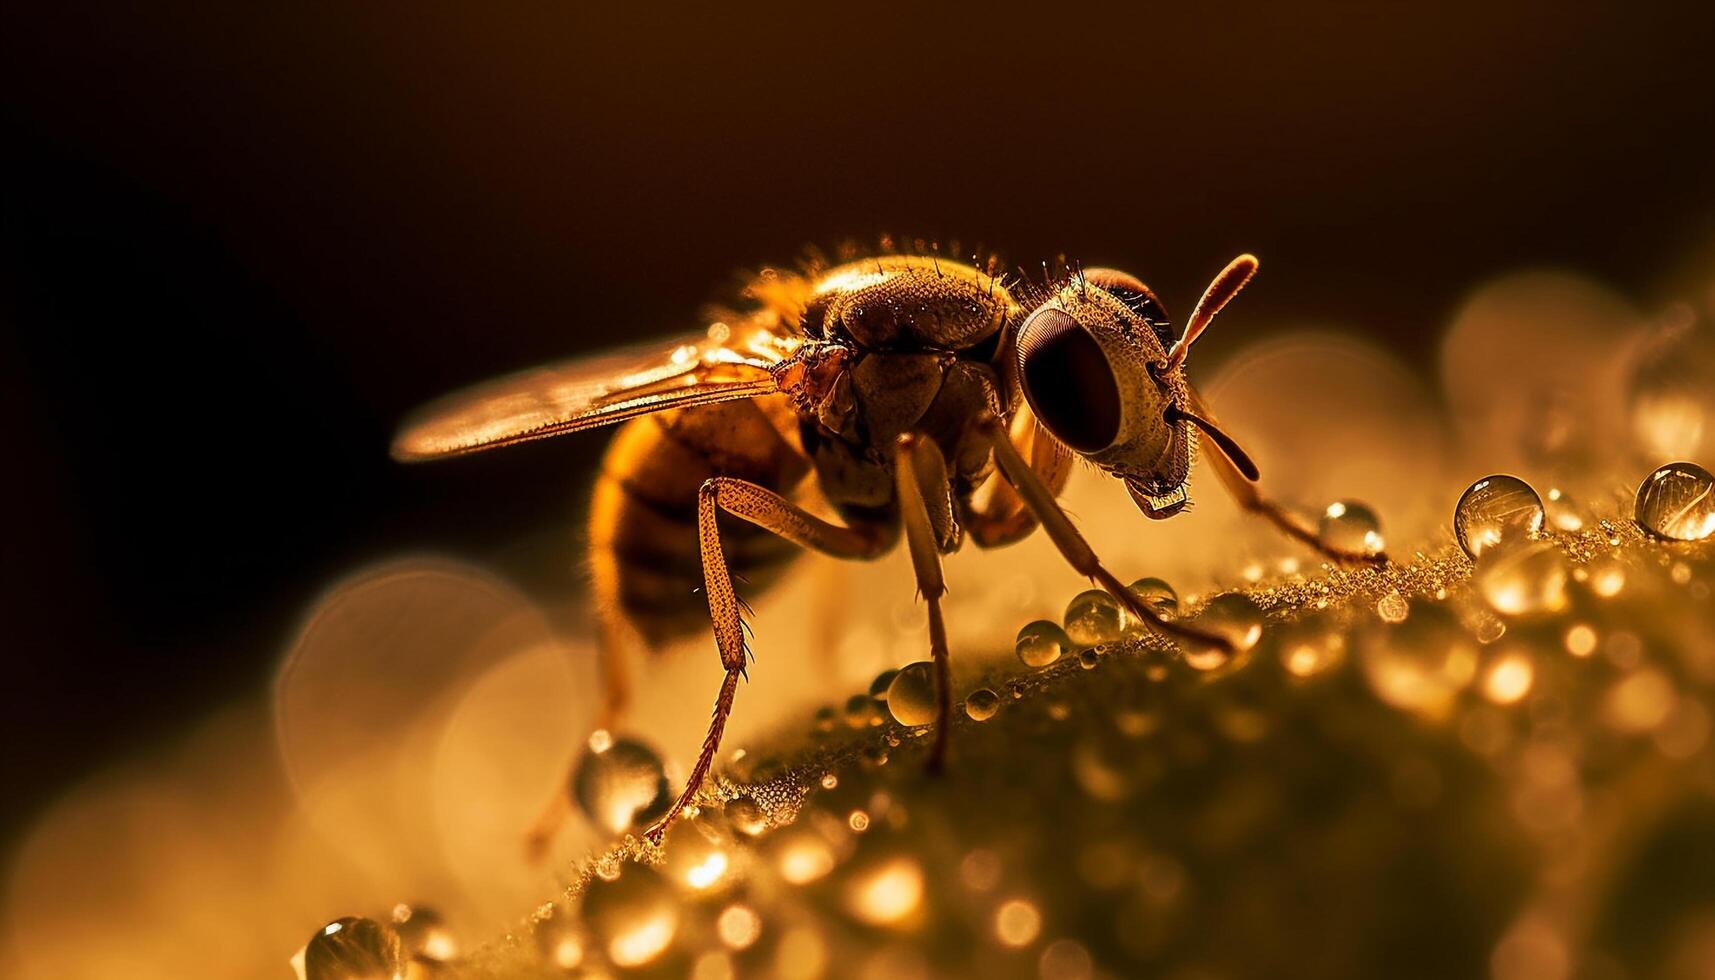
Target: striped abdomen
644	557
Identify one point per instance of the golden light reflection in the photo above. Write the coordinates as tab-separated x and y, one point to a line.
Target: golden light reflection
739	926
888	894
1509	677
1017	923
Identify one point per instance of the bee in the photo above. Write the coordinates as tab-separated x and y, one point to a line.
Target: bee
903	395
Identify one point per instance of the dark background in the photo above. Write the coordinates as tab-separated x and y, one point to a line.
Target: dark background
239	244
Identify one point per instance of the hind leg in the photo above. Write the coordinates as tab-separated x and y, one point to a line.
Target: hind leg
772	512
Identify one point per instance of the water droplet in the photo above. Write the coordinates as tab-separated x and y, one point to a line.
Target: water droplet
746	815
1421	664
1563	513
982	704
1310	647
1606	576
911	696
1495	510
1157	595
424	934
1094	617
634	917
862	711
1041	643
1232	616
354	948
1392	608
558	941
1523	580
802	854
1350	528
621	786
1088	658
1678	502
826	718
696	856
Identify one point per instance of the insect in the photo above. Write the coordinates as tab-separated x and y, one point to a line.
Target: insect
902	395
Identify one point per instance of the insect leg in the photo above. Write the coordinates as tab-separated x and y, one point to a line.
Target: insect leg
770	511
1072	545
1001	517
920	475
1246	494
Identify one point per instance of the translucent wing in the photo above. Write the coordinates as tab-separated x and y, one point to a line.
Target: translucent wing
720	364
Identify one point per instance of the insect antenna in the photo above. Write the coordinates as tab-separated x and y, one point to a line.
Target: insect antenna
1225	286
1234	451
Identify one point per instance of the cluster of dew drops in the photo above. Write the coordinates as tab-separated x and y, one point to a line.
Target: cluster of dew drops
1500	523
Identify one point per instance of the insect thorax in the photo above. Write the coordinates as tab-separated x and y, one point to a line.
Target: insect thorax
897	344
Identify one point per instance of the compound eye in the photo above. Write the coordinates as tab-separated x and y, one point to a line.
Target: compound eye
1067	381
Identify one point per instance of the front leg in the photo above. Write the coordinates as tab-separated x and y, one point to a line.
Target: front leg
1002	517
1246	494
1072	545
772	512
920	476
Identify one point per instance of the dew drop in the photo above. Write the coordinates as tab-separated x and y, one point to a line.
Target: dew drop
1088	658
1677	502
1606	576
746	816
424	934
1496	510
1350	528
1563	512
1157	595
1392	608
353	948
633	917
558	941
911	696
1524	580
1041	643
1420	665
621	785
1232	616
1094	617
862	711
982	704
697	858
878	687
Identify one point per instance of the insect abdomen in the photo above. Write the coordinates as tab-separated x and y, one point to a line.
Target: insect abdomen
644	558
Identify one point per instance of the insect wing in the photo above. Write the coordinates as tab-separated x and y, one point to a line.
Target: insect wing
697	369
